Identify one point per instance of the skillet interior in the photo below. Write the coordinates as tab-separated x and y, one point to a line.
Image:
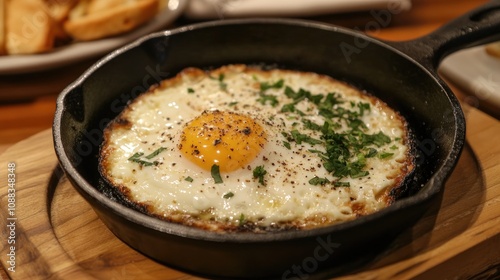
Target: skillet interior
86	106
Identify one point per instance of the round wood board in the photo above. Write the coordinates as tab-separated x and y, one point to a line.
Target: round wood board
58	235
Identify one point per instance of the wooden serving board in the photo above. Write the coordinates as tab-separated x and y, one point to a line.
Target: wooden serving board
58	235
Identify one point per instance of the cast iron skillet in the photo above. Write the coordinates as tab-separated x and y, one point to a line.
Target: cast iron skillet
401	73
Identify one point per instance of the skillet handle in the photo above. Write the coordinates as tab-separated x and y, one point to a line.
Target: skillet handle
477	27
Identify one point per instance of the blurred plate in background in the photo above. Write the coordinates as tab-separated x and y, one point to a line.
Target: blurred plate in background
218	9
75	52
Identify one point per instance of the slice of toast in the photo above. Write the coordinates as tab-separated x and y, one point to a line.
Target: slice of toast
29	28
95	19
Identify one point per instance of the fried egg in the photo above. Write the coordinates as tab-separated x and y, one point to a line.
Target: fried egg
240	148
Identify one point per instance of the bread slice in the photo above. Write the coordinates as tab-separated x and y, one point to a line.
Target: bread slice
493	49
30	29
59	11
95	19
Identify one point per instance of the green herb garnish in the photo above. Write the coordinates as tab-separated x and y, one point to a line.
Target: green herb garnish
189	179
268	98
385	155
291	108
259	173
156	152
137	157
341	184
302	94
241	220
222	85
266	85
220	79
190	90
216	174
319	181
228	195
298	137
371	153
311	125
287	145
342	133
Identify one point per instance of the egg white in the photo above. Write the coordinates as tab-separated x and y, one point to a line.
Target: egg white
156	119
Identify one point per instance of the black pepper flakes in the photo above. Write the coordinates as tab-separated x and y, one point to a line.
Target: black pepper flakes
247	130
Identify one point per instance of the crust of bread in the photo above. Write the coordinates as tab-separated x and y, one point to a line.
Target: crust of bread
97	20
30	29
493	49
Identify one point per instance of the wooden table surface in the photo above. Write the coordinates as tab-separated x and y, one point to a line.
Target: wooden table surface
20	119
31	108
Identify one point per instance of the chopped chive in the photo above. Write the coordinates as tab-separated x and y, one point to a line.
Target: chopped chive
318	181
268	98
216	174
385	155
222	85
190	90
189	179
156	152
220	79
287	145
137	158
342	134
266	85
228	195
259	173
371	153
341	184
299	138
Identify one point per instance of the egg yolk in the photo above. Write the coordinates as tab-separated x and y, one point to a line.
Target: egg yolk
227	139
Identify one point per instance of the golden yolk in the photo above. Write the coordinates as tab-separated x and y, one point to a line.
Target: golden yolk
227	139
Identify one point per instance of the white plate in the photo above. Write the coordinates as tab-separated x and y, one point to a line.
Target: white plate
75	52
219	9
476	72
